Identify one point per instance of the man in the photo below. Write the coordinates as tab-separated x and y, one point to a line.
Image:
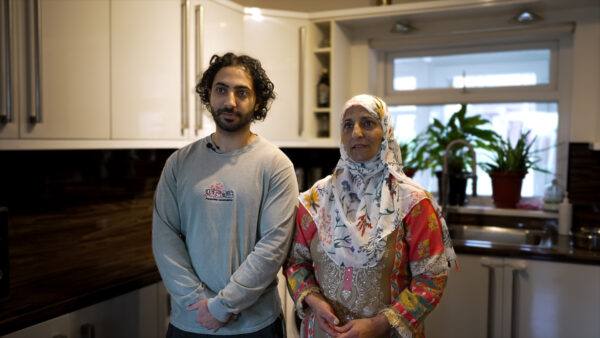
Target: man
224	211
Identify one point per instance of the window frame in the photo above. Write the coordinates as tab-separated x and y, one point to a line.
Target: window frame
544	92
556	38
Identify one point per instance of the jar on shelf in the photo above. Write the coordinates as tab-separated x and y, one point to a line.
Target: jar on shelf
323	89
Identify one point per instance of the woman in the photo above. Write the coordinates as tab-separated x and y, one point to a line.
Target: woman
371	251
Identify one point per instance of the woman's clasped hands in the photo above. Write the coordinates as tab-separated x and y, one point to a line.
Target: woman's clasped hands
328	322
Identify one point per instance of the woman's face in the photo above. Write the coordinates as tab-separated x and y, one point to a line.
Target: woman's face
361	134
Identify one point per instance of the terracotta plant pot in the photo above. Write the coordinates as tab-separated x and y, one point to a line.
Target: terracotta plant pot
409	172
506	189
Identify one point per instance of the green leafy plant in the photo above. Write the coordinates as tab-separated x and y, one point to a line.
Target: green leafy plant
408	154
517	158
431	144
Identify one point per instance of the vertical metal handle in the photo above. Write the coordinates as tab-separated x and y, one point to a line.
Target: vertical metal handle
185	4
88	331
34	78
514	306
302	49
491	265
199	39
5	71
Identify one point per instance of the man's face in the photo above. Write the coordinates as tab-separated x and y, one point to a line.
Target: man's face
232	99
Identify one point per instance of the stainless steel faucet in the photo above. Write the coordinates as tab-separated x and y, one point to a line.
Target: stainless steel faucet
445	172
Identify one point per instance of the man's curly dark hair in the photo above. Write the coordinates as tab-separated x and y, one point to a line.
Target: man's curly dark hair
263	87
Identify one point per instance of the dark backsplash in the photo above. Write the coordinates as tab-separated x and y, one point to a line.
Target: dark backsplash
584	184
44	181
33	182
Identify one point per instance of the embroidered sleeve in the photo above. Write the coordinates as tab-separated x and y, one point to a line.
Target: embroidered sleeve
299	268
428	267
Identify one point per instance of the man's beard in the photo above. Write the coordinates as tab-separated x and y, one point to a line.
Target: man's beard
243	119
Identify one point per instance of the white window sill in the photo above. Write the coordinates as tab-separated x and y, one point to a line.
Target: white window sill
483	205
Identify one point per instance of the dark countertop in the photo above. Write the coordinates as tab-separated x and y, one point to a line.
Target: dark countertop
64	261
561	251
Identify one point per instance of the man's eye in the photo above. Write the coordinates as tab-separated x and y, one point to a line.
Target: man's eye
347	125
220	90
242	93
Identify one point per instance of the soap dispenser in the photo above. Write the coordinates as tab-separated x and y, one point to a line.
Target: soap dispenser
565	215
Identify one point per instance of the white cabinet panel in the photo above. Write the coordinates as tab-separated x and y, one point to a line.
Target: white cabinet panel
73	57
146	70
133	314
50	328
462	312
140	313
550	300
554	300
275	41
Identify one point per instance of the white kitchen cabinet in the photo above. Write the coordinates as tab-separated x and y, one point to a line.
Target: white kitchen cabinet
140	313
159	50
59	62
526	298
51	328
146	70
279	42
215	28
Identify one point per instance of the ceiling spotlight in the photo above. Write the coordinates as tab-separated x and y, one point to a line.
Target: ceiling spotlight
526	17
402	28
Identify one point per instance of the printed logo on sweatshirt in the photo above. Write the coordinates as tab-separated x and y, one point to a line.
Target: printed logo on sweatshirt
217	192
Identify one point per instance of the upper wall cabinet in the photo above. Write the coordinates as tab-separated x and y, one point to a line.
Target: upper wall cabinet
55	69
147	70
213	28
159	51
279	42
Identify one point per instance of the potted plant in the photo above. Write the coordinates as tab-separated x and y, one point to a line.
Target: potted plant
410	163
432	143
509	166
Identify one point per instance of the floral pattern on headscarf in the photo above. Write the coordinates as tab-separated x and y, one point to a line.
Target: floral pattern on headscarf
357	206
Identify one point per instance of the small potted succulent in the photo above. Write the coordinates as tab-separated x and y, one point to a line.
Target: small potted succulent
510	163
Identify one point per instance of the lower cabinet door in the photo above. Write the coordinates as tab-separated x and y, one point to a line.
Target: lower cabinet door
56	327
552	300
133	314
463	310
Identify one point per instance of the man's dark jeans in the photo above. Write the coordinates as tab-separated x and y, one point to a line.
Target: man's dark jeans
275	330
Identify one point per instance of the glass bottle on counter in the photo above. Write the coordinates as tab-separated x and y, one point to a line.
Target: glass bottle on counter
323	89
553	196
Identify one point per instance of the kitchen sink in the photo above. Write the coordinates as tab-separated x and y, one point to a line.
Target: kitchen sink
501	236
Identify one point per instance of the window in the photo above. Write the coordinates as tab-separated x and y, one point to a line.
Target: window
512	85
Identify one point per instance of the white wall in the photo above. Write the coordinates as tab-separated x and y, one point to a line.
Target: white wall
582	77
585	111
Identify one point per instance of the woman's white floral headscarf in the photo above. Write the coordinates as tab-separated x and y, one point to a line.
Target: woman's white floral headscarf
357	206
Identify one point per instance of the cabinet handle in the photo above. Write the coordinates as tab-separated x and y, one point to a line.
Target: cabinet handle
34	81
87	331
5	94
302	49
491	265
199	38
517	267
185	5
